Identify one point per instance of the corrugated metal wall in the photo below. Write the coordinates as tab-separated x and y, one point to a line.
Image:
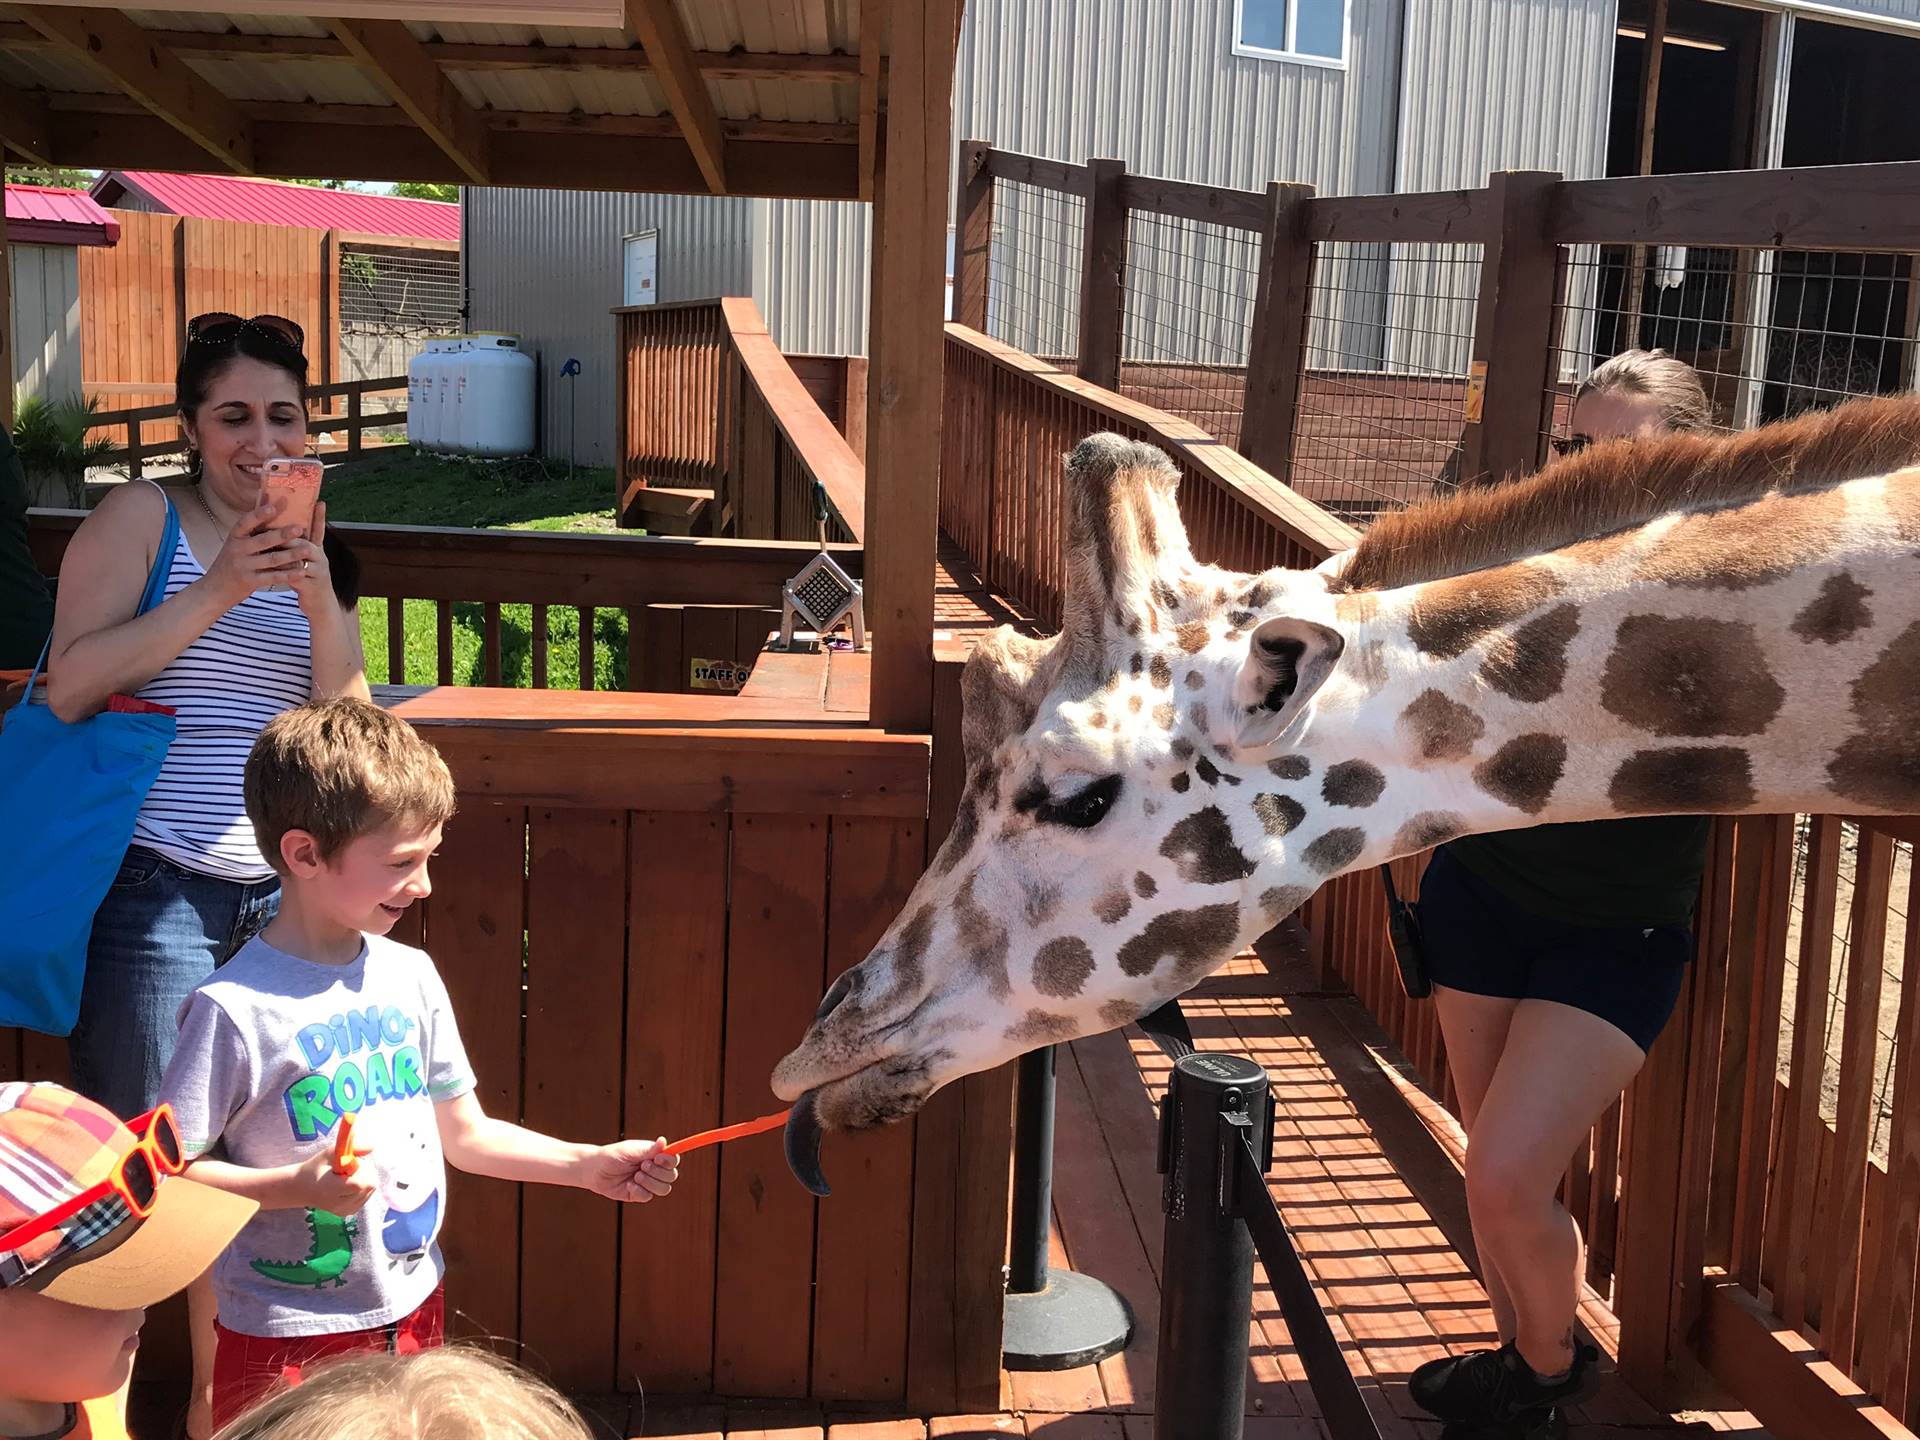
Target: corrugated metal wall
45	320
810	275
547	265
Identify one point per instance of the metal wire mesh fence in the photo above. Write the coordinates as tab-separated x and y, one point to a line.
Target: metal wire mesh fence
1382	402
392	301
1188	321
1771	332
1033	293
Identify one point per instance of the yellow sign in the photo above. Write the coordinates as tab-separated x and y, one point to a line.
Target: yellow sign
1476	391
717	674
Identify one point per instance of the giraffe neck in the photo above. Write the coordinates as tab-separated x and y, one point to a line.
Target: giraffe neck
1758	659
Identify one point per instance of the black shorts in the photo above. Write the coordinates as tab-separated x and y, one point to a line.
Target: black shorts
1477	940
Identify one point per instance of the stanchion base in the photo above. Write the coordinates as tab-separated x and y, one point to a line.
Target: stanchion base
1077	1320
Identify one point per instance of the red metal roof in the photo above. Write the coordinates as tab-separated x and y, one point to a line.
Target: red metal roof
37	215
273	202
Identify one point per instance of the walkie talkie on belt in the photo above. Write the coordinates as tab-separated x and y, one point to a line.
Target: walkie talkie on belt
1403	932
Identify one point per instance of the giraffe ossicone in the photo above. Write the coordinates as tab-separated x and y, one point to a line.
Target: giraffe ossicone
1674	626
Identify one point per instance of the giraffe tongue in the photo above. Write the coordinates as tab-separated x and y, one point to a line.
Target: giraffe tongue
803	1146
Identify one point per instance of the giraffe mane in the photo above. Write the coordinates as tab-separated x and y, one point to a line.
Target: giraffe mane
1623	484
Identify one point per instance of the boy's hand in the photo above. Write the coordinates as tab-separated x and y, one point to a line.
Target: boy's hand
630	1170
318	1186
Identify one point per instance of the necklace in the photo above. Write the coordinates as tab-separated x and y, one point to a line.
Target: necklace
201	496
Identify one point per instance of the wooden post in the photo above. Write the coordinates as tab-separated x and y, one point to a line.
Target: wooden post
1512	327
973	234
906	343
353	422
1103	270
6	318
1277	349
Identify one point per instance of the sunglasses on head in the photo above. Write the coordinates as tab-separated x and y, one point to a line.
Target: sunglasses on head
218	327
135	1178
1570	444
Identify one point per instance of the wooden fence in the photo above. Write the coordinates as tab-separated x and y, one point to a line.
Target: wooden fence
1472	376
713	416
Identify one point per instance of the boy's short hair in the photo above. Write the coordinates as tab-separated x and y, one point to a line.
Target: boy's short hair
460	1393
340	769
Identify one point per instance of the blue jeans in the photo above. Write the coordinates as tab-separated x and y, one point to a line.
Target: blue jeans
160	932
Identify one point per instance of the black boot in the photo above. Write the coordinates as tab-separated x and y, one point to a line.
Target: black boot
1495	1386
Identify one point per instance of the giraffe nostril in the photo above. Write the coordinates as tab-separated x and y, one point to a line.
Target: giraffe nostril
841	989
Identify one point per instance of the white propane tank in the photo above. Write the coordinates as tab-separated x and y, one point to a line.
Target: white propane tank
432	364
495	398
440	396
418	385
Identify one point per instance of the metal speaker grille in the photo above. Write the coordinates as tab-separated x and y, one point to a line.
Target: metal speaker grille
822	595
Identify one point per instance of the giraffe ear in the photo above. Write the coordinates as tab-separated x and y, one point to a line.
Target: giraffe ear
1287	661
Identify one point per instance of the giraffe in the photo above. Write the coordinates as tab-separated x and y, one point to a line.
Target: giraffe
1693	624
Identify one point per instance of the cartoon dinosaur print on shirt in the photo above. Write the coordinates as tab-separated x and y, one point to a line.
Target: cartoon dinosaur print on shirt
326	1263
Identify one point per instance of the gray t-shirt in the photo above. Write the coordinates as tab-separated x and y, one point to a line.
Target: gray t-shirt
273	1050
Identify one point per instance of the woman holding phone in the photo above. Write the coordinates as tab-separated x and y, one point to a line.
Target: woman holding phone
258	617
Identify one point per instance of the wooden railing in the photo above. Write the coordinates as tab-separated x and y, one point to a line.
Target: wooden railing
678	599
149	430
710	408
1010	419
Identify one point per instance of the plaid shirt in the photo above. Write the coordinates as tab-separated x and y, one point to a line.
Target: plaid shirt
55	1144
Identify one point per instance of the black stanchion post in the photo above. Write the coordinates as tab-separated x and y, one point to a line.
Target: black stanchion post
1056	1320
1206	1299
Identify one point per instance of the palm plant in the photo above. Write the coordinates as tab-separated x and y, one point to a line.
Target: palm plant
54	439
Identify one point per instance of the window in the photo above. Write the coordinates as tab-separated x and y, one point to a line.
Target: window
1311	32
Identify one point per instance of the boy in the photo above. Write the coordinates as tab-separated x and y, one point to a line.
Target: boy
95	1225
322	1017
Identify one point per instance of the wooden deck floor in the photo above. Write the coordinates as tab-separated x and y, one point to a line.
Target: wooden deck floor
1369	1186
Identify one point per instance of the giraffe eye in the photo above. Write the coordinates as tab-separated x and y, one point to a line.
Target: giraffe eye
1085	810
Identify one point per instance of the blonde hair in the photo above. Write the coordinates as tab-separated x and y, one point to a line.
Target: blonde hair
1670	383
339	769
454	1394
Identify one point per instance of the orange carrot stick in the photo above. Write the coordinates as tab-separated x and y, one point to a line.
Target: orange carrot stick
728	1132
345	1159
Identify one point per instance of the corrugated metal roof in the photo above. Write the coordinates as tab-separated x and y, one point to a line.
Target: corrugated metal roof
272	202
70	215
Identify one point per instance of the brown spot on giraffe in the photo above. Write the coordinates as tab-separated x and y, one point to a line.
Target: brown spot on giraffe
1098	719
1193	939
1062	966
1289	767
1426	830
1134	704
1041	1028
1115	1013
1203	849
1241	619
1163	715
1165	596
1182	783
1439	728
1356	606
1136	664
1354	784
1144	885
1043	901
1282	900
1879	765
1738	548
1256	595
1366	665
1690	676
1181	747
1336	849
1530	664
910	954
1213	774
1683	780
1837	613
1160	671
1523	772
1112	906
1195	680
1450	615
1192	636
983	941
1278	814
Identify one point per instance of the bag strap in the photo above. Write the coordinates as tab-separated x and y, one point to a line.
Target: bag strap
149	597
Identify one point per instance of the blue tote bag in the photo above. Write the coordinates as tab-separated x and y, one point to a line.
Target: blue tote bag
69	796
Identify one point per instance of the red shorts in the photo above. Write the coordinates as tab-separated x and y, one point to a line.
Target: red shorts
246	1367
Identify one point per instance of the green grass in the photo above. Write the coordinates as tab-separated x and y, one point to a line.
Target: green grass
496	495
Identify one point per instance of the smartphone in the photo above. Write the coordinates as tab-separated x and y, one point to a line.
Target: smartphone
296	484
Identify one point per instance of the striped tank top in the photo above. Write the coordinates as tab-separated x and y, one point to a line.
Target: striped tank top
251	664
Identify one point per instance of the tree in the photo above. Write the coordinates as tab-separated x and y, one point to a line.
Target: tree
321	184
426	190
58	176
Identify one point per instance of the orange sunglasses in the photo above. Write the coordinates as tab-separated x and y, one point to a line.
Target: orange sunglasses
135	1179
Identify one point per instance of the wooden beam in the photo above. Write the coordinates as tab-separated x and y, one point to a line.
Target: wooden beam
1103	275
391	56
906	357
152	74
973	236
657	24
873	32
23	125
1276	357
1513	327
448	55
1791	1388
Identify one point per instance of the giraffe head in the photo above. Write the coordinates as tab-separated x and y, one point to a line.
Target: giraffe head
1131	814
